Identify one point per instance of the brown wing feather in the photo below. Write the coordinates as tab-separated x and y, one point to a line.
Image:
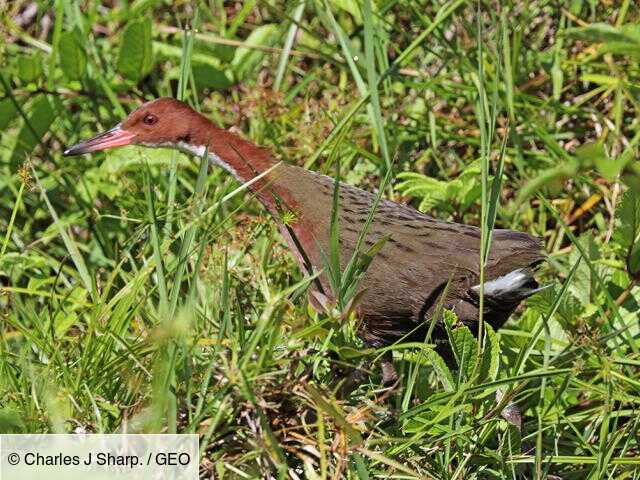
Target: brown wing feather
420	256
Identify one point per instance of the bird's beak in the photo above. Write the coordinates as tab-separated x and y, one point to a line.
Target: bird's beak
116	137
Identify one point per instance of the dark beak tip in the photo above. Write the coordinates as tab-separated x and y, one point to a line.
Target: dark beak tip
72	151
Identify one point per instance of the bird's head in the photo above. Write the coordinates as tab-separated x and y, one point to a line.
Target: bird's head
164	122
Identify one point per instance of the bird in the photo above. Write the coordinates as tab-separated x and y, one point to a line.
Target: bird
422	263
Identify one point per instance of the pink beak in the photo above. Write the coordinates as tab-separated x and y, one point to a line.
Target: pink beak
116	137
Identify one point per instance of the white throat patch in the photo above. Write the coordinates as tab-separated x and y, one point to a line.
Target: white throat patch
199	151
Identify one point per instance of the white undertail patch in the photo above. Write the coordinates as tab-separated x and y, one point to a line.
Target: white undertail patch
506	283
516	284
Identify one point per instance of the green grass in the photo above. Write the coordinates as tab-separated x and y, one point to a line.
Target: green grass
141	292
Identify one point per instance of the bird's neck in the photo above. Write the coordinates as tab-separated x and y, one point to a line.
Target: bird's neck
272	182
242	158
247	162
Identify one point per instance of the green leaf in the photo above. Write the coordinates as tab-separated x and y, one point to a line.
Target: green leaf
110	408
582	286
208	76
594	154
491	355
365	259
350	6
208	71
598	33
440	368
333	410
633	260
11	421
600	79
135	59
73	59
132	158
628	220
591	153
246	58
39	120
29	67
511	442
8	112
463	345
142	7
569	309
463	190
69	242
63	321
431	191
349	353
623	40
628	229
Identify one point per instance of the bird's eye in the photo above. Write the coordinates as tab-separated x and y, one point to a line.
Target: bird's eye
149	119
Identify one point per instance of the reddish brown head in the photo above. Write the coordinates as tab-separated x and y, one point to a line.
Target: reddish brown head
169	123
164	122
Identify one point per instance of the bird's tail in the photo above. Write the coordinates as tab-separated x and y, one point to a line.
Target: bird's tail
509	289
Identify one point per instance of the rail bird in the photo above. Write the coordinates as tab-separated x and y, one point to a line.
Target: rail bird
423	262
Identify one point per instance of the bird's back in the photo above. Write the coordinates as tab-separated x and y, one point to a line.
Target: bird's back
420	259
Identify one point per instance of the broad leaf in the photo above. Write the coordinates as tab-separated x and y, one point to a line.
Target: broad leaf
594	154
465	348
40	118
569	310
29	67
207	76
440	368
351	6
628	229
463	345
8	112
73	60
135	58
463	190
430	191
581	286
628	220
246	58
